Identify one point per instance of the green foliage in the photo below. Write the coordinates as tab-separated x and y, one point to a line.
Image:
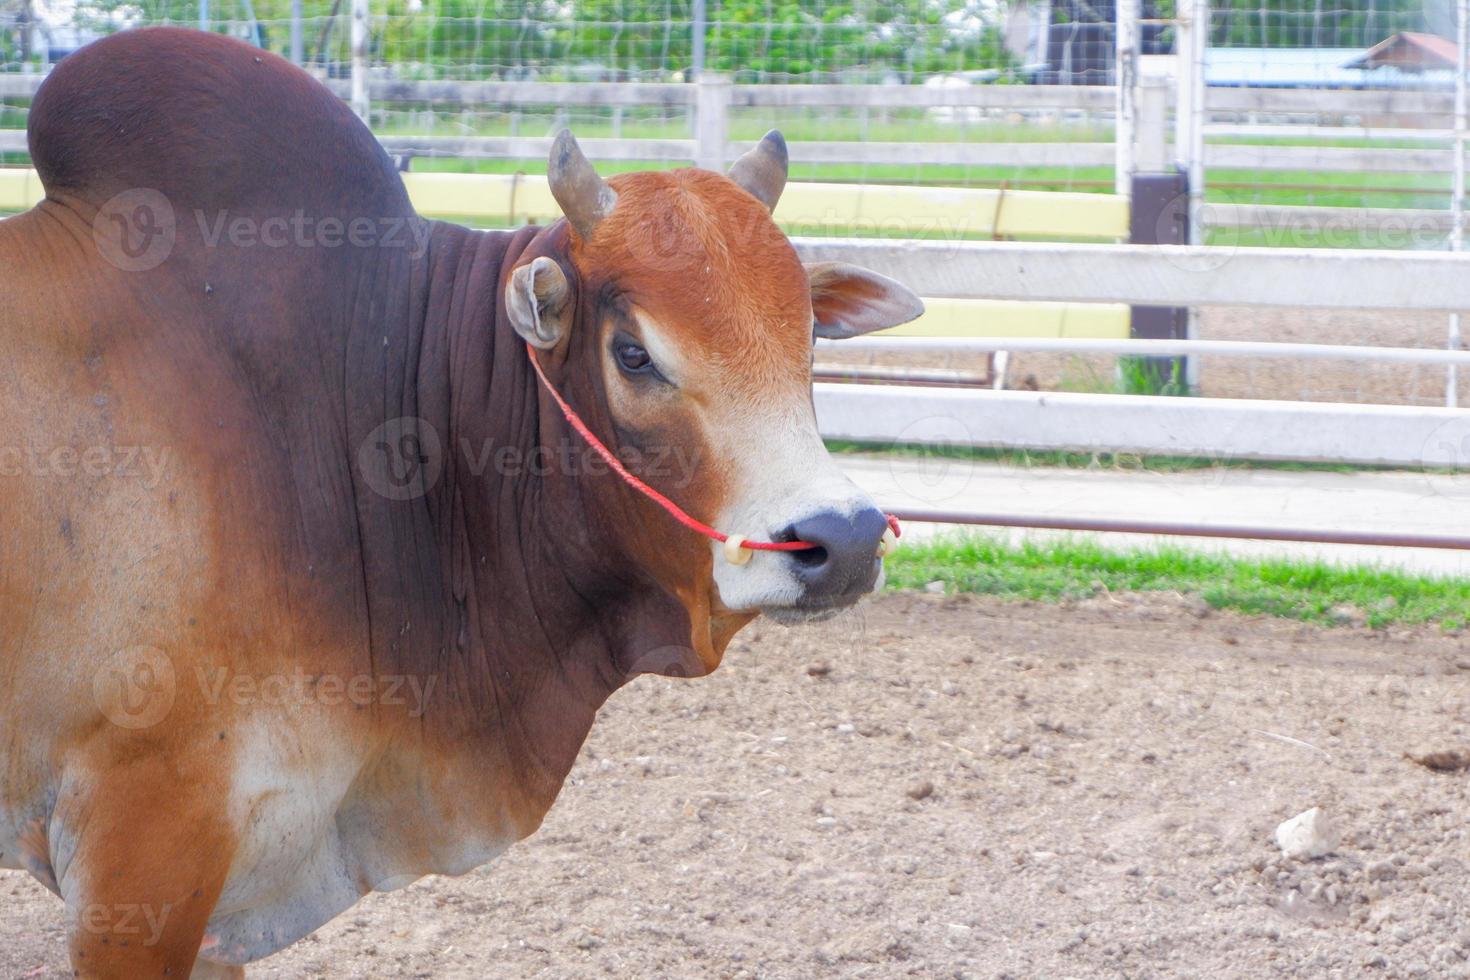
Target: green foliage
13	16
1079	567
1310	24
1151	376
752	39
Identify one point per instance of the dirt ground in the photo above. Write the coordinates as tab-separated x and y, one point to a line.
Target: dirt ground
958	787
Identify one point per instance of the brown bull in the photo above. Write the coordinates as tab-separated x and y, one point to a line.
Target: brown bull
306	587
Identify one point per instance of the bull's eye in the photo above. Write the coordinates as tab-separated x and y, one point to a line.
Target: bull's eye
632	358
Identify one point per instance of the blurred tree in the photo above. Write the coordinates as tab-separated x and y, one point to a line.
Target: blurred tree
1313	23
752	39
782	38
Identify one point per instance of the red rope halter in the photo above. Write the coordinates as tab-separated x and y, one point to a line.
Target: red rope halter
674	510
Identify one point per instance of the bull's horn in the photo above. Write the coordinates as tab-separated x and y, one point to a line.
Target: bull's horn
762	171
584	197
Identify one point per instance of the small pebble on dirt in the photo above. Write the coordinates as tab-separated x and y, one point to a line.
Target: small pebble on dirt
921	791
1443	760
1306	835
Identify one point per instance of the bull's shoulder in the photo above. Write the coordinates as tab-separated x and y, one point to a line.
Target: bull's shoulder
50	283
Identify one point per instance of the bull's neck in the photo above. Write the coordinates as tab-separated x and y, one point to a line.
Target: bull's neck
524	662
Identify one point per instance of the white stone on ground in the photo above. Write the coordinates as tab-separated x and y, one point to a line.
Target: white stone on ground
1307	835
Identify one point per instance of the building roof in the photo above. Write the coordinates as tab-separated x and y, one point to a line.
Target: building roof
1409	51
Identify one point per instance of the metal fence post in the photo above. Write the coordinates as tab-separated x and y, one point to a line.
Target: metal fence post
1457	195
1152	125
1158	215
698	27
1125	75
1191	35
711	119
298	44
360	14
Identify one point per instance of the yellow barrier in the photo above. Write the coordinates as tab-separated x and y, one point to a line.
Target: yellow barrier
1015	318
503	198
513	200
19	189
909	211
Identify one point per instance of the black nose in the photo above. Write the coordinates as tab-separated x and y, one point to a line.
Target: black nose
844	562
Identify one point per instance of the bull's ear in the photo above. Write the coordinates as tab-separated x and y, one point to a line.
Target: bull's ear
848	301
538	300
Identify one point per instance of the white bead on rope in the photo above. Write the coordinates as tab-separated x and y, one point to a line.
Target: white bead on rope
888	545
735	554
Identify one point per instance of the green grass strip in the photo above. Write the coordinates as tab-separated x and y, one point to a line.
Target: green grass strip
1054	570
1119	461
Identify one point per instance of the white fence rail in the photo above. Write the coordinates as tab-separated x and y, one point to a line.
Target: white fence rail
1146	348
709	142
1163	275
1136	274
1222	429
1213	428
1405	105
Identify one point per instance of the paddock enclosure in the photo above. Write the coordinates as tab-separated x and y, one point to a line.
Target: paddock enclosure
1225	232
958	787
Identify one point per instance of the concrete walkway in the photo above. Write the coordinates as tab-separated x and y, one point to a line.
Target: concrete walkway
1425	503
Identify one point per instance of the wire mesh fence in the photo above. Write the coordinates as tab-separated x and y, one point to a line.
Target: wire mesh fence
588	40
1387	150
1326	125
938	44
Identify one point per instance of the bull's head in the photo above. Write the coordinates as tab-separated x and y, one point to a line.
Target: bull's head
698	321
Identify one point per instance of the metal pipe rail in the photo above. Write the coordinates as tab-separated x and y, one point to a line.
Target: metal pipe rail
1180	529
1145	348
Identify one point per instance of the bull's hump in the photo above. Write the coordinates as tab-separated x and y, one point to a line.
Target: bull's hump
207	121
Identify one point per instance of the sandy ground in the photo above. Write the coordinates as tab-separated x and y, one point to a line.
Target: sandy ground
957	787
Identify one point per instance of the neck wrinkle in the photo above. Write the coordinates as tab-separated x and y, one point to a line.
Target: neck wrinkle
528	664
